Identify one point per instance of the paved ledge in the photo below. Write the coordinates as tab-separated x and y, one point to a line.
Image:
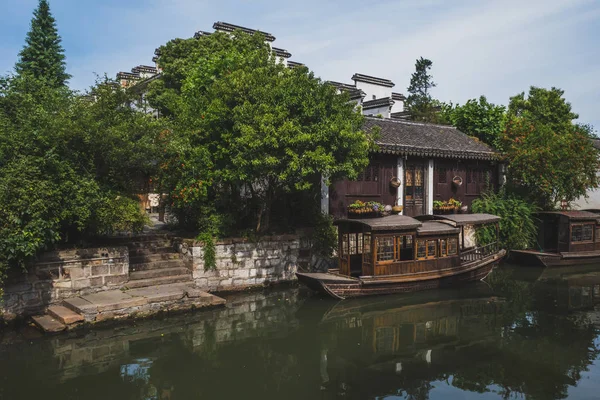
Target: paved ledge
118	304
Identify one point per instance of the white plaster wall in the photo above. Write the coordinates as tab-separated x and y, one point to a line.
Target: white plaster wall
429	209
384	111
398	106
371	89
592	202
400	175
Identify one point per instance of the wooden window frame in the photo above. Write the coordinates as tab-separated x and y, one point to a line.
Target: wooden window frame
444	253
367	256
582	225
383	262
417	245
435	248
455	240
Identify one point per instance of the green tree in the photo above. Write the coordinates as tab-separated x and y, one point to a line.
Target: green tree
549	158
419	102
543	106
248	131
43	56
478	118
69	165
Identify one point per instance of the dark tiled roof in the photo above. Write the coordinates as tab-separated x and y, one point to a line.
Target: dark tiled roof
224	26
127	75
398	96
294	64
342	86
382	102
143	68
352	90
427	140
199	34
372	79
281	52
401	115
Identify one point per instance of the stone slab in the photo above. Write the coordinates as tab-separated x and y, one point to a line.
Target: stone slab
160	293
80	305
49	324
114	300
64	315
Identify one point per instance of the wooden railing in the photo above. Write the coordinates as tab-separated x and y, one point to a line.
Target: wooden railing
479	253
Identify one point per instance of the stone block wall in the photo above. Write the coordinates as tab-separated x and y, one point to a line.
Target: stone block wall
59	275
242	263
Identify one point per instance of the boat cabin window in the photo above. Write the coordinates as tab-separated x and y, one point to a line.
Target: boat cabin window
452	246
367	248
385	248
582	233
431	248
421	249
443	247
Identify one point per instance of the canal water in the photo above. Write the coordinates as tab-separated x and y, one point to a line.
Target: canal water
527	333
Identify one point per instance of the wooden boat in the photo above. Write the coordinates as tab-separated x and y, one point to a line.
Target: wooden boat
397	254
564	238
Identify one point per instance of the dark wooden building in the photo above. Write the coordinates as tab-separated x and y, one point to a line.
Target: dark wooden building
431	162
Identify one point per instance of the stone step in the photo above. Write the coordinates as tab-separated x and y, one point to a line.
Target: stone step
143	251
157	273
134	284
48	324
64	315
148	244
151	258
156	265
138	238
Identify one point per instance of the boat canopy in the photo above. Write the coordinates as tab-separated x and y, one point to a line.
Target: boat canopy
463	219
573	215
389	223
436	228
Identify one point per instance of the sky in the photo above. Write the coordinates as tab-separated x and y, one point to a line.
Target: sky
478	47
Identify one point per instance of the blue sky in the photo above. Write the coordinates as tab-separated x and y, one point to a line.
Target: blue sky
495	48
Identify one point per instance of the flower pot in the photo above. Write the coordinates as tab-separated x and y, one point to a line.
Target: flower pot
397	209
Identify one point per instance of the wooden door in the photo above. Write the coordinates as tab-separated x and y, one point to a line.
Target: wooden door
414	189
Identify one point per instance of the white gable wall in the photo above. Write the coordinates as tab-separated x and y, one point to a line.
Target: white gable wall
374	90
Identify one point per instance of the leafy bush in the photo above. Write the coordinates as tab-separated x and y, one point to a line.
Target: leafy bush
324	236
517	227
209	251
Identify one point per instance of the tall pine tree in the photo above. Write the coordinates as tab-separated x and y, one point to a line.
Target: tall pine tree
419	102
43	56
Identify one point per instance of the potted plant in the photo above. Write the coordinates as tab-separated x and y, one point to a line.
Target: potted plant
438	206
361	209
454	204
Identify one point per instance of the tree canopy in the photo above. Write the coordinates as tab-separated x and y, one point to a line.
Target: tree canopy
69	165
478	118
549	157
249	133
43	56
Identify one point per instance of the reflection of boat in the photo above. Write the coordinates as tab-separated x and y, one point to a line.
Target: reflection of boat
564	238
408	336
399	254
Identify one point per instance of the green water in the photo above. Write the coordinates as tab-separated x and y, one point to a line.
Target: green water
528	333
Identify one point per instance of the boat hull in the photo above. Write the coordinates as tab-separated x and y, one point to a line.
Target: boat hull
535	258
343	287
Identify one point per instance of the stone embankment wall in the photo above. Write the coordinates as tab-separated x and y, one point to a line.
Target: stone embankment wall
59	275
241	263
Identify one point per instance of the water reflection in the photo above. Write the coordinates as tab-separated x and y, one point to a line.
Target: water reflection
529	333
